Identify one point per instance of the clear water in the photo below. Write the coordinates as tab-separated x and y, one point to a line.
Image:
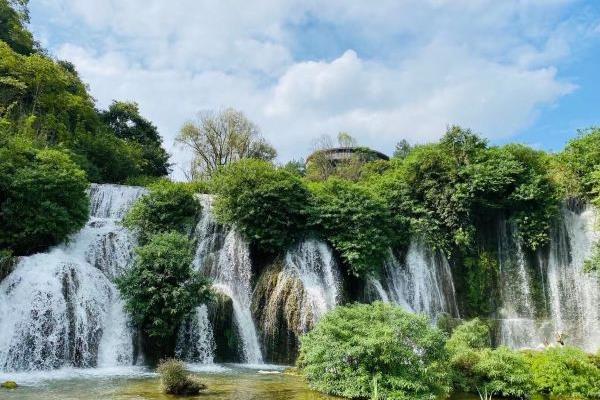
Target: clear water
223	382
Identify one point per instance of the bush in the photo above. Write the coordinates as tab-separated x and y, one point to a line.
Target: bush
176	380
479	369
354	220
565	371
355	351
162	289
266	204
167	207
43	197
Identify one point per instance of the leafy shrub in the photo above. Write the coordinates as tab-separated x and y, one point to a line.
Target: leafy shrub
162	289
266	204
43	197
357	350
167	207
176	380
577	164
479	369
354	220
565	371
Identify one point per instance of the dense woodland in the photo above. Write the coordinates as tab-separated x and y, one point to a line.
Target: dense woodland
54	141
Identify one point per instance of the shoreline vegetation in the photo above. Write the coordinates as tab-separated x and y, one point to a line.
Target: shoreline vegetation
54	142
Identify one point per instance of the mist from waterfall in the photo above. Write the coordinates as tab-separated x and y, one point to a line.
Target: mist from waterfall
61	308
225	257
421	283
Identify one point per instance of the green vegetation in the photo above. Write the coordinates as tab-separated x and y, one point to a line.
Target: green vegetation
43	197
268	205
9	385
565	371
488	372
354	221
176	380
359	350
162	289
167	207
477	368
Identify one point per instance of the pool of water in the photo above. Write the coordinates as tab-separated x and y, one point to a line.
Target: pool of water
223	382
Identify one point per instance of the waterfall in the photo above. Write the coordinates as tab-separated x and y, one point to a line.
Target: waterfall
518	327
195	342
225	257
308	285
61	308
422	284
571	297
574	296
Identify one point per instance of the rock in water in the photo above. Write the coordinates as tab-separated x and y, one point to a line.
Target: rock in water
9	385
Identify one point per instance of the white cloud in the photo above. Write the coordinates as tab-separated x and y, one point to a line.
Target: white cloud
487	65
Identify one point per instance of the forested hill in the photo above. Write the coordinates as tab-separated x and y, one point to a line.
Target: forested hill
54	140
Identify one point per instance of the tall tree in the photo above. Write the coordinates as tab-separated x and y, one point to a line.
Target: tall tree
221	137
125	120
13	18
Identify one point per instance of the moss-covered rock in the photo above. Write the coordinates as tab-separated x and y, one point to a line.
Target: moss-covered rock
279	305
228	341
9	385
176	380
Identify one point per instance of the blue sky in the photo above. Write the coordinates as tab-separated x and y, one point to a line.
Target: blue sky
383	70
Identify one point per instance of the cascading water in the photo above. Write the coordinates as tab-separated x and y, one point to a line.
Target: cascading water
310	277
571	297
196	341
517	325
423	283
574	295
61	308
225	257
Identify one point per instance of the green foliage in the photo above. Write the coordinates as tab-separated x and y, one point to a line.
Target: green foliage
352	348
167	207
107	158
162	289
176	380
125	121
43	197
12	26
444	192
578	162
479	369
354	220
482	276
46	102
565	371
267	205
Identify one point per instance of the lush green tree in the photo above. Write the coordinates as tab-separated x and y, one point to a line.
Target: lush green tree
375	351
106	158
565	371
162	289
126	122
354	221
13	19
43	197
167	207
576	164
268	205
219	138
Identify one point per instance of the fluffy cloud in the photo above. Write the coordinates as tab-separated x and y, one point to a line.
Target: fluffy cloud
401	69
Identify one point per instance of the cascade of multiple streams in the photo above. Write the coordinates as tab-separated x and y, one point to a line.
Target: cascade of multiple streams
570	298
422	283
61	308
308	285
225	257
